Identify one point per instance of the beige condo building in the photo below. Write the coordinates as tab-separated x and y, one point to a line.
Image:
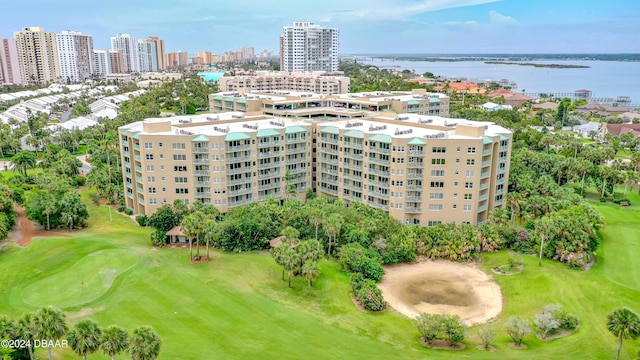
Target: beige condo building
306	105
38	55
420	169
320	82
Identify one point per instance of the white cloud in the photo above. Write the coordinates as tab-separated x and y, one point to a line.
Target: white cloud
498	19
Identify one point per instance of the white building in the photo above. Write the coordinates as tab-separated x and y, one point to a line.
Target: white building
75	55
307	46
128	46
148	55
101	62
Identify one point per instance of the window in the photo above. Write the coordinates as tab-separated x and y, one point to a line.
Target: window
150	168
180	180
152	190
178	146
180	168
400	148
455	195
454	206
437	184
182	190
400	172
468	185
149	156
153	201
159	144
439	150
469	173
148	145
436	207
438	161
437	173
151	179
436	196
433	222
400	160
466	208
471	162
161	156
215	146
399	194
468	196
179	157
458	149
455	183
164	189
399	183
471	150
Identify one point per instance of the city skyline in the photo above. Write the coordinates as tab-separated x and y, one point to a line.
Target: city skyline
385	26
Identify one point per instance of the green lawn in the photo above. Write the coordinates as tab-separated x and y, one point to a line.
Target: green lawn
237	307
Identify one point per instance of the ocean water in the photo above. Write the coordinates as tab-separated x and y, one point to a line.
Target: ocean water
604	78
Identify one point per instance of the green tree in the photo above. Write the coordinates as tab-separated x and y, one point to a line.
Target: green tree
191	226
114	341
487	334
85	338
624	324
545	228
49	324
453	329
310	270
278	255
145	344
333	225
517	329
429	326
290	235
25	330
290	261
23	160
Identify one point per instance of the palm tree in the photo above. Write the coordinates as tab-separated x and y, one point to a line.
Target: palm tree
333	226
85	338
290	260
114	341
26	331
316	217
145	344
210	231
310	271
23	160
278	255
8	328
290	235
624	324
50	324
191	226
545	228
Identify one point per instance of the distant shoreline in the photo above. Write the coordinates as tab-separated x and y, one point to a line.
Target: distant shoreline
552	66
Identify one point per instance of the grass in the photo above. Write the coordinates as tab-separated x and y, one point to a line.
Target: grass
238	307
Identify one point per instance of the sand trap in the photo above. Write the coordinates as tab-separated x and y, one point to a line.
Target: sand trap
442	287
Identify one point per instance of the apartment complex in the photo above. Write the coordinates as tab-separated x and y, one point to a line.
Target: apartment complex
75	56
9	62
38	55
340	106
307	46
227	160
128	46
159	45
101	62
177	58
320	82
421	169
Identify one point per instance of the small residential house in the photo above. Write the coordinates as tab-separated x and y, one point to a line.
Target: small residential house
489	106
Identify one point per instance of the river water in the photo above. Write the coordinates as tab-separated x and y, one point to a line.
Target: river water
604	78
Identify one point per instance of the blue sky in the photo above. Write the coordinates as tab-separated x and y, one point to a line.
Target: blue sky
366	26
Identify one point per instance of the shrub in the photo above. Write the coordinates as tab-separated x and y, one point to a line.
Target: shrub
453	329
440	327
95	198
128	211
367	293
142	220
545	324
359	259
79	180
120	207
487	335
517	329
159	238
515	260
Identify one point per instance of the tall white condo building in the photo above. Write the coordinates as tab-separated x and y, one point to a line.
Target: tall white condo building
306	46
75	55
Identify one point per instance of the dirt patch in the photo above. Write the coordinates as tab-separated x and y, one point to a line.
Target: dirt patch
442	287
84	312
507	270
560	333
517	346
25	230
442	345
490	349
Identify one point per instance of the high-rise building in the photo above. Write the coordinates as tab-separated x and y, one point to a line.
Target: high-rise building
101	62
75	55
183	57
159	51
148	56
205	56
307	46
171	60
9	62
38	55
116	62
128	46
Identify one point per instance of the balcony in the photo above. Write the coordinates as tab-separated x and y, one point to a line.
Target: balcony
130	195
296	150
136	146
499	191
265	197
299	160
486	152
352	187
352	166
378	205
298	170
200	161
237	159
328	191
203	194
352	197
329	181
502	159
269	186
139	179
296	140
383	184
328	171
379	194
269	165
415	176
500	181
351	176
412	210
125	153
484	186
482	208
415	187
484	175
328	140
327	160
201	172
415	164
504	148
238	148
140	191
269	175
414	198
200	150
483	197
378	172
202	183
129	185
486	163
353	156
326	150
240	170
498	202
137	157
353	145
269	154
240	202
379	161
240	191
238	181
141	201
139	169
501	170
127	164
416	152
380	150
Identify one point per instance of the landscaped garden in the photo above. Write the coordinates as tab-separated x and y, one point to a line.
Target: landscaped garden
237	306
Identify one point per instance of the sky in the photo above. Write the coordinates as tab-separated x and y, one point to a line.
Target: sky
366	26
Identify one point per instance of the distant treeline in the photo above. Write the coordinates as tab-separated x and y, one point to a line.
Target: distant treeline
553	66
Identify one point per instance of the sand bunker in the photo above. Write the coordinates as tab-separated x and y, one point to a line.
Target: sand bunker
442	287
